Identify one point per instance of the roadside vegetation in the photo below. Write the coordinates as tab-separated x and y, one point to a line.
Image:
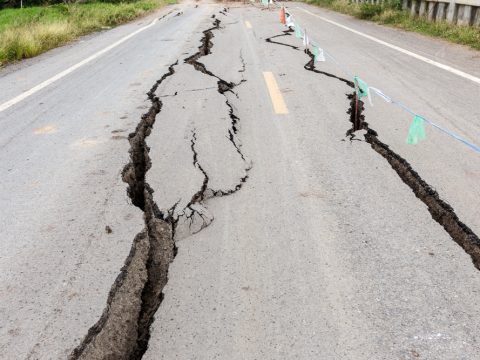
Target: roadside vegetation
391	13
33	30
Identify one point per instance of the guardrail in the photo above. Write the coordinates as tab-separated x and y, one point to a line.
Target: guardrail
463	12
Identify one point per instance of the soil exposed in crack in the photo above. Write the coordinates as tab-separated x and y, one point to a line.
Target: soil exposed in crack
440	211
122	332
112	337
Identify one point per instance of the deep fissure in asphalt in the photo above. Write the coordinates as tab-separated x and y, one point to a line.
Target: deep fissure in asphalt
440	211
284	33
123	330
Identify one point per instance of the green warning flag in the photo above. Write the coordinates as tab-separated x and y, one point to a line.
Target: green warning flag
361	86
416	132
298	32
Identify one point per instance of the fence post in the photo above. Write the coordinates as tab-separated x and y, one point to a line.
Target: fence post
413	8
423	8
464	19
431	10
451	11
476	20
440	11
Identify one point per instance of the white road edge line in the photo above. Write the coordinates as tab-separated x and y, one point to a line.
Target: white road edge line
71	69
404	51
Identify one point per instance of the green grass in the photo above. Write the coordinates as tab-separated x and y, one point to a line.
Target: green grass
391	14
31	31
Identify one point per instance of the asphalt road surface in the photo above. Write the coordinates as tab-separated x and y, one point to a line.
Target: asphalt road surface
181	188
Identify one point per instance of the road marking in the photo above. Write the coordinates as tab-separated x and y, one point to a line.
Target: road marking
277	99
45	130
247	24
402	50
71	69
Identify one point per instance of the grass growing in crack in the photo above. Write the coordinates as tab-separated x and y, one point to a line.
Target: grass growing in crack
390	13
28	32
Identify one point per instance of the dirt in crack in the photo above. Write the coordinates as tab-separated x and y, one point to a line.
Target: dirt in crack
440	211
122	332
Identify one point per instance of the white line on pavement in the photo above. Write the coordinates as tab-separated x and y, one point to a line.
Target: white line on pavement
404	51
71	69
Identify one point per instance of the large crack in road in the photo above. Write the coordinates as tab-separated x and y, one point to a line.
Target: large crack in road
191	212
123	330
440	210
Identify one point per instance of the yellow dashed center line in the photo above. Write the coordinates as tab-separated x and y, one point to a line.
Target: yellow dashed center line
277	99
247	24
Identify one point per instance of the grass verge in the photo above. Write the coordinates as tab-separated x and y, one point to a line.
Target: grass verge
31	31
390	13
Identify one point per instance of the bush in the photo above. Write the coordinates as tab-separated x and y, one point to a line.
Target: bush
368	11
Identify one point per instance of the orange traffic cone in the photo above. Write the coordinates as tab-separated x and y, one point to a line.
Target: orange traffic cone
282	16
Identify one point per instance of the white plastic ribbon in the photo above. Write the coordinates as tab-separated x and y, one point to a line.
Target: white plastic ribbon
318	54
306	40
379	93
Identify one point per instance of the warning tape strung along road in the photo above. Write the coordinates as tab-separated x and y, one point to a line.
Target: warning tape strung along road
416	131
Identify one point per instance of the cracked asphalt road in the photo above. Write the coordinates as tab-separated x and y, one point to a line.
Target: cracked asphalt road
257	235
